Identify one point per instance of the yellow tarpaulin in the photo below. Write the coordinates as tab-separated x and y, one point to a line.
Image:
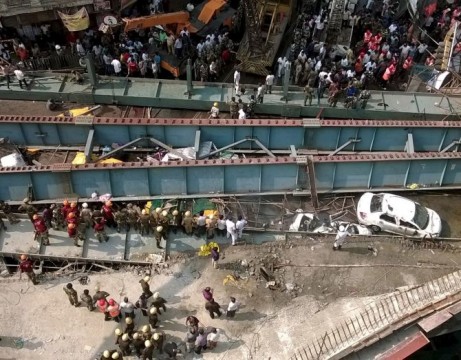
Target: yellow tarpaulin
110	161
80	159
77	112
205	250
76	22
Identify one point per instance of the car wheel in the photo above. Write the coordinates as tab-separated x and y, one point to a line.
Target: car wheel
375	228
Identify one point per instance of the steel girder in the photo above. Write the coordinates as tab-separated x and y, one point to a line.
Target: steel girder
280	134
205	178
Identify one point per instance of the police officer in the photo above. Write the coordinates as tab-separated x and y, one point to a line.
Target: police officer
175	221
138	344
6	208
87	299
159	232
148	351
157	341
159	302
144	221
153	317
188	223
124	345
120	217
72	295
132	217
164	221
129	325
233	108
28	208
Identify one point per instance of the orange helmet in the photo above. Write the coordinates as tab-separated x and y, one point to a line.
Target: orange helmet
108	203
71	226
23	257
71	215
65	202
35	217
73	204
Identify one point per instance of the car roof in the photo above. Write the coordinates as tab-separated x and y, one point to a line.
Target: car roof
399	207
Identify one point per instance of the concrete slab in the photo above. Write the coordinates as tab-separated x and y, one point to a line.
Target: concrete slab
43	85
113	249
141	89
61	246
19	238
140	247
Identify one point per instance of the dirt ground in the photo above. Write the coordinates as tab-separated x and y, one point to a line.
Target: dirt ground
39	323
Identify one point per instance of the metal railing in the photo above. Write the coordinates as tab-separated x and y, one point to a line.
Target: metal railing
52	62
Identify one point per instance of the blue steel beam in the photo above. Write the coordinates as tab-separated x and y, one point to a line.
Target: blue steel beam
374	135
204	178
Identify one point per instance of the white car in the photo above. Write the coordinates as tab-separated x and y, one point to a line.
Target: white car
396	214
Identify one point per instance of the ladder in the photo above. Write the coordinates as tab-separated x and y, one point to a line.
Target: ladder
335	21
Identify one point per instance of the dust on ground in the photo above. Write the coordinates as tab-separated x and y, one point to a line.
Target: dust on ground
301	303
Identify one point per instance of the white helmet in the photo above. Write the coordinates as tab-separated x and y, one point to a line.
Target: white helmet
118	332
187	213
146	278
135	335
96	288
147	343
342	228
116	355
153	310
84	205
125	337
158	210
159	228
156	295
164	213
57	47
211	217
106	354
128	320
175	212
156	336
146	328
143	212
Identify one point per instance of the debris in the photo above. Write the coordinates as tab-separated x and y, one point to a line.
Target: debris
87	348
270	285
266	274
290	286
229	278
155	258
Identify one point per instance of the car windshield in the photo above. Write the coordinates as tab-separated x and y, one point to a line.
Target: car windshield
421	216
376	204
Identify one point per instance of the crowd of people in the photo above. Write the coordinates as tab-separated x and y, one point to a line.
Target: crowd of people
159	222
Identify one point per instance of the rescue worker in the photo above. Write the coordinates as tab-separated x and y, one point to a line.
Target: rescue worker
71	295
148	351
73	209
47	215
85	215
213	307
157	341
188	223
6	208
102	305
175	221
144	221
210	227
132	217
159	302
26	266
154	217
41	231
65	208
28	208
146	332
72	232
221	226
233	108
138	344
145	286
87	299
108	214
114	310
171	349
99	294
340	237
120	218
158	236
58	219
118	336
240	225
201	224
231	230
164	221
124	345
129	325
99	230
116	356
153	317
71	219
214	112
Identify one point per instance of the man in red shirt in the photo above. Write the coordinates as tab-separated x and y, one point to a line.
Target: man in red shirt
72	232
26	266
41	230
99	230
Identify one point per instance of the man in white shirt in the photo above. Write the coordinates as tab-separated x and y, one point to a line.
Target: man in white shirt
127	308
269	82
232	308
80	49
236	77
231	230
201	223
260	93
21	78
340	237
240	225
242	114
154	69
117	67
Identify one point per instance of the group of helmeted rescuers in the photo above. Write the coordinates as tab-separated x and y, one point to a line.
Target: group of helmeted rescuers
148	341
78	219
